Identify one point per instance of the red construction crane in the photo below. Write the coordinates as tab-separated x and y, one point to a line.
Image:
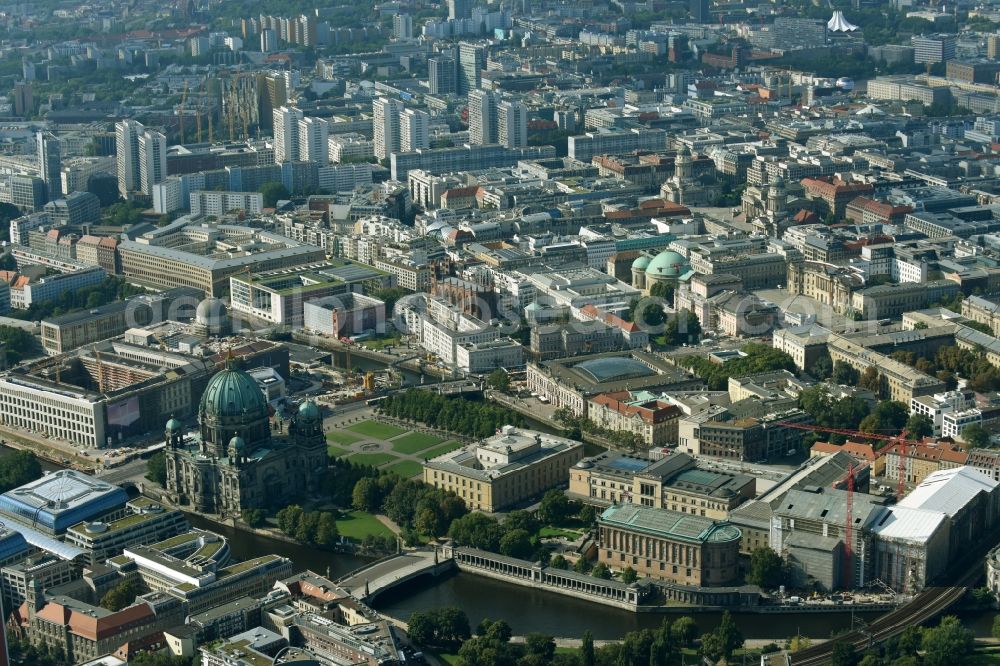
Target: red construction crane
847	574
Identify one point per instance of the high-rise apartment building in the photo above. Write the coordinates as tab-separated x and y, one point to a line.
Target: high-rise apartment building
385	126
699	10
49	164
459	9
24	99
402	26
414	130
482	117
512	124
286	133
127	150
471	63
314	137
441	75
152	160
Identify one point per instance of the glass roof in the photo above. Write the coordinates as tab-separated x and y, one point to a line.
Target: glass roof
602	370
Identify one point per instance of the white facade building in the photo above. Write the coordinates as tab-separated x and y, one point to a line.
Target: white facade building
219	203
385	126
414	130
286	133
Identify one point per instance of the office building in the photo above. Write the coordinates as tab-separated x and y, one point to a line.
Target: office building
482	117
933	48
344	315
74	209
505	469
144	522
471	63
49	164
441	75
152	160
286	121
350	148
993	47
385	126
512	124
57	501
127	150
414	132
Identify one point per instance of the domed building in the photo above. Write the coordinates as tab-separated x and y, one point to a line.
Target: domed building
235	461
667	266
211	318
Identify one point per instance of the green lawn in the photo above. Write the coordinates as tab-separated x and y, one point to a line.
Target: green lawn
441	450
336	452
552	532
413	442
376	429
983	659
449	659
373	459
406	469
341	437
358	524
381	343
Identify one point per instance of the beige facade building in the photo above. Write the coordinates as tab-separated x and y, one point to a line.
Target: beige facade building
674	482
654	421
670	546
508	468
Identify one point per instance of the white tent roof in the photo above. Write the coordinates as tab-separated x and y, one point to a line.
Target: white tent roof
906	524
948	490
838	23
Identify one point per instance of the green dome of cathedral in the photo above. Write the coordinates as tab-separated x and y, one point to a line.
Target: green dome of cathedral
233	393
173	425
308	411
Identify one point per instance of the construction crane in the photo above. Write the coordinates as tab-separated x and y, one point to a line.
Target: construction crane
894	441
184	96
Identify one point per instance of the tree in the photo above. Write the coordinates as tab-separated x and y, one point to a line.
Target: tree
767	569
919	426
273	192
629	575
19	468
554	508
120	596
367	495
909	641
721	642
975	436
439	627
684	630
587	649
558	562
995	630
516	543
684	327
946	643
844	374
582	566
871	380
822	368
326	530
253	517
476	530
499	380
156	469
601	570
18	344
104	187
842	654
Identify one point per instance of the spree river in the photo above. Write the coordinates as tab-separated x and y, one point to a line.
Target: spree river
526	609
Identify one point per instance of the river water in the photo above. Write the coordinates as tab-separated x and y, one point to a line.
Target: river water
526	609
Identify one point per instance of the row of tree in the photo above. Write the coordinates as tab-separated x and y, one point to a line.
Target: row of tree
951	362
316	528
86	298
759	358
419	509
467	417
577	425
19	468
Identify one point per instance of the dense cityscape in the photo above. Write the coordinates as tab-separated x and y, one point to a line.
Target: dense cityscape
500	333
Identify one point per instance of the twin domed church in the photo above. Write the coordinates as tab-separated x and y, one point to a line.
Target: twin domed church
235	461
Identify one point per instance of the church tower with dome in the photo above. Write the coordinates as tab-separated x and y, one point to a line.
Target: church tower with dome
235	461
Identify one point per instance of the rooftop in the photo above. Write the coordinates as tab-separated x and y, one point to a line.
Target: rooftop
670	524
